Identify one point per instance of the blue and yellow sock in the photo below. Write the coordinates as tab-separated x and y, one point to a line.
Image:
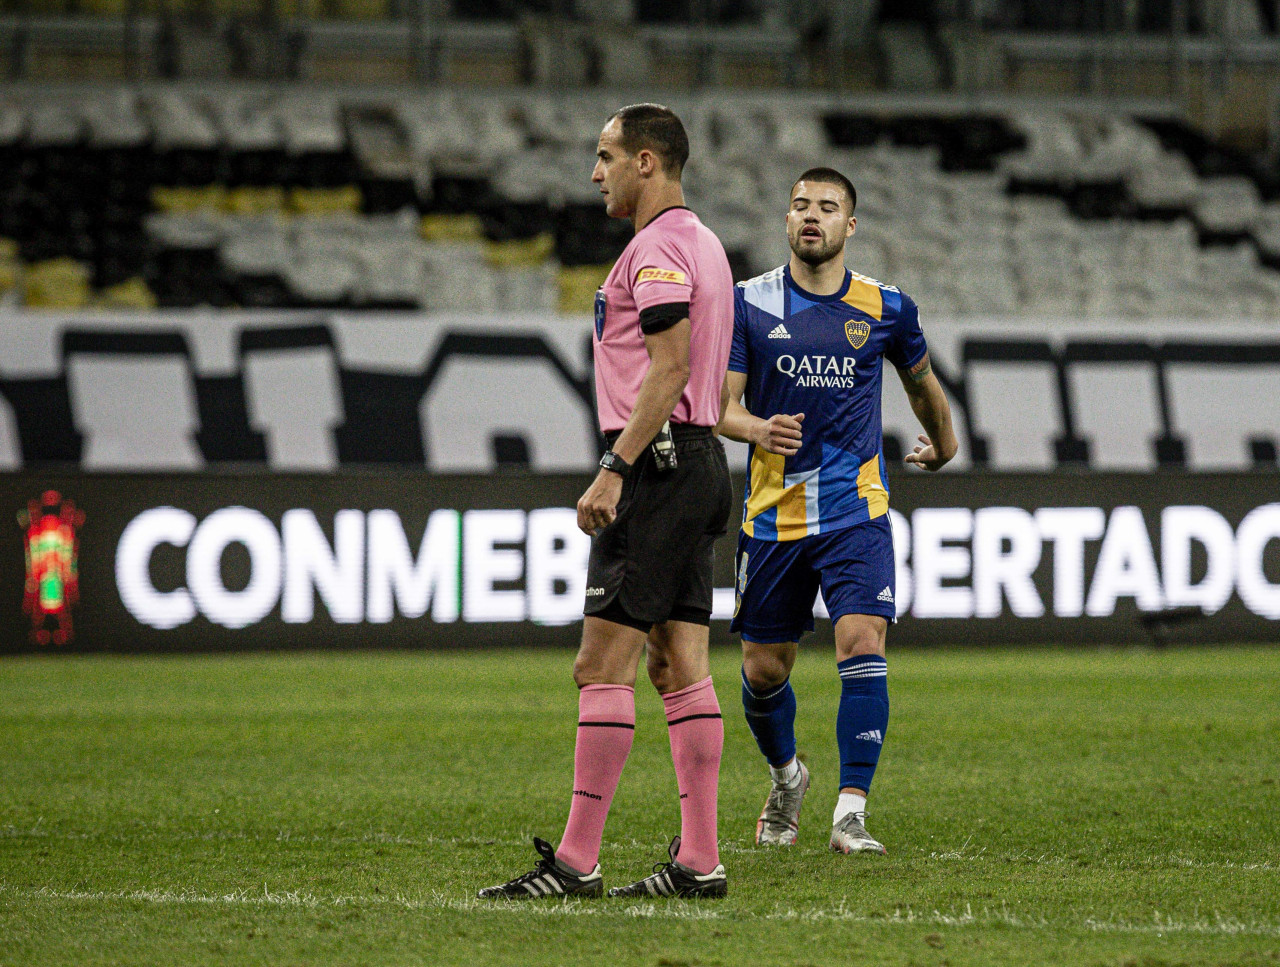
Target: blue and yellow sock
863	718
771	716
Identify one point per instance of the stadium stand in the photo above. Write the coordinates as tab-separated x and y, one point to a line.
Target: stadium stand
442	199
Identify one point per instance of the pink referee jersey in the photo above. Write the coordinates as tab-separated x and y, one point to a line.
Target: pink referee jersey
674	258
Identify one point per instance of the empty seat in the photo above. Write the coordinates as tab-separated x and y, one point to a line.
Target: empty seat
322	279
61	283
1228	205
392	274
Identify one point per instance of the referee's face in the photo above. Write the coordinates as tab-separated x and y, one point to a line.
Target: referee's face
616	173
818	222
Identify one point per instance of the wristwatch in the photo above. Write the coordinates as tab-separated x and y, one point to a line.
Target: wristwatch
611	461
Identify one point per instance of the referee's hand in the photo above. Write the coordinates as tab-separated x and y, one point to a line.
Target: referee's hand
780	434
598	507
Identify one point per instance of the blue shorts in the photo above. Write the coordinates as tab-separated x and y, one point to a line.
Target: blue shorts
778	580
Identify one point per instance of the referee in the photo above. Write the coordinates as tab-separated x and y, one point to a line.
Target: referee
663	326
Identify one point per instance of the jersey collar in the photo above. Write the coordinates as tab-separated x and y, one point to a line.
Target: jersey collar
811	297
669	208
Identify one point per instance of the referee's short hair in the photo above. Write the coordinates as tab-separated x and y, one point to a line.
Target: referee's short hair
829	176
657	128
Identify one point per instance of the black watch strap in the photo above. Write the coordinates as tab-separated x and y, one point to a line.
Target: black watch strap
611	461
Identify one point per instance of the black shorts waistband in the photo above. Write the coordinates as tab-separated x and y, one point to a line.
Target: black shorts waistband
680	433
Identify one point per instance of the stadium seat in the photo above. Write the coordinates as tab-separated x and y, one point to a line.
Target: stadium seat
392	274
1227	208
60	283
451	228
578	287
322	279
325	201
985	213
176	199
254	200
131	295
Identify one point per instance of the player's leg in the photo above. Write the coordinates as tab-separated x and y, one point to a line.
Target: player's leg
857	569
605	672
774	607
770	707
769	702
861	725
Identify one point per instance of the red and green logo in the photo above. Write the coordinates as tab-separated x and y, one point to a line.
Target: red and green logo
53	578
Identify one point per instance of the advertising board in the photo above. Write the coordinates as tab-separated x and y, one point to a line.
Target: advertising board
217	561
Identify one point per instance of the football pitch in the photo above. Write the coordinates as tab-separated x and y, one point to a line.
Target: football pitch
1040	807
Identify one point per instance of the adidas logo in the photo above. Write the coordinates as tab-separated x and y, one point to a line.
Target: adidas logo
873	736
885	595
780	332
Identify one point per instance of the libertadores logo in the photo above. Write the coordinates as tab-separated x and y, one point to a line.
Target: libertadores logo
53	578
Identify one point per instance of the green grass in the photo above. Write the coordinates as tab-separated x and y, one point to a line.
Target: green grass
1040	807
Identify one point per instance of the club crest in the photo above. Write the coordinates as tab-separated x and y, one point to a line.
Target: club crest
857	332
601	306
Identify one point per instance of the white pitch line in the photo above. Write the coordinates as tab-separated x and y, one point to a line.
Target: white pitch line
436	901
381	837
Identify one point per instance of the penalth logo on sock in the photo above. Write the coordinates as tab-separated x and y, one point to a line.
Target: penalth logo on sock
874	735
885	595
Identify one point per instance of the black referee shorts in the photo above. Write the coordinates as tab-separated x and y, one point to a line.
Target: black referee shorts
653	563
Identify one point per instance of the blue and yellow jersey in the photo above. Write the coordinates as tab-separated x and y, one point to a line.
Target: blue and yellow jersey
820	356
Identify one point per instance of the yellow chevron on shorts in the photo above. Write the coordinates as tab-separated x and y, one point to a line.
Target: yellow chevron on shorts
769	489
864	295
871	489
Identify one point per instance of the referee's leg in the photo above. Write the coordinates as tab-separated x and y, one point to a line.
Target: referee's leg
605	672
680	668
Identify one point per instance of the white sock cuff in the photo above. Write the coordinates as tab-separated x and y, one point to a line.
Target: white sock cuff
849	802
787	775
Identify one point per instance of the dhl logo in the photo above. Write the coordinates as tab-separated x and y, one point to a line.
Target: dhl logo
662	275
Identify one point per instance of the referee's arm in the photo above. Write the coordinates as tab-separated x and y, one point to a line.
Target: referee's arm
780	433
660	391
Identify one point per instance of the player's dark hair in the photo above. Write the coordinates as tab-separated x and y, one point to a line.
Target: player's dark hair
829	176
657	128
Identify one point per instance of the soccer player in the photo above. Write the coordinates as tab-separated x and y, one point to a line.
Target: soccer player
808	338
663	324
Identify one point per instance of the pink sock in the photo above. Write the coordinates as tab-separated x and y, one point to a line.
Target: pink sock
606	726
697	739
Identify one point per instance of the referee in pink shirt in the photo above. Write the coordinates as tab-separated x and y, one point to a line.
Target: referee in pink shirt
663	326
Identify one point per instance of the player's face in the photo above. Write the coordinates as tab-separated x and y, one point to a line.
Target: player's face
617	174
818	222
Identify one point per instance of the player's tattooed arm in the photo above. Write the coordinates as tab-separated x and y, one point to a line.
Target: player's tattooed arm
929	403
920	370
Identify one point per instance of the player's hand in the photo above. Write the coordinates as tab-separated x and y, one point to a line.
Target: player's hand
598	507
780	434
925	455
